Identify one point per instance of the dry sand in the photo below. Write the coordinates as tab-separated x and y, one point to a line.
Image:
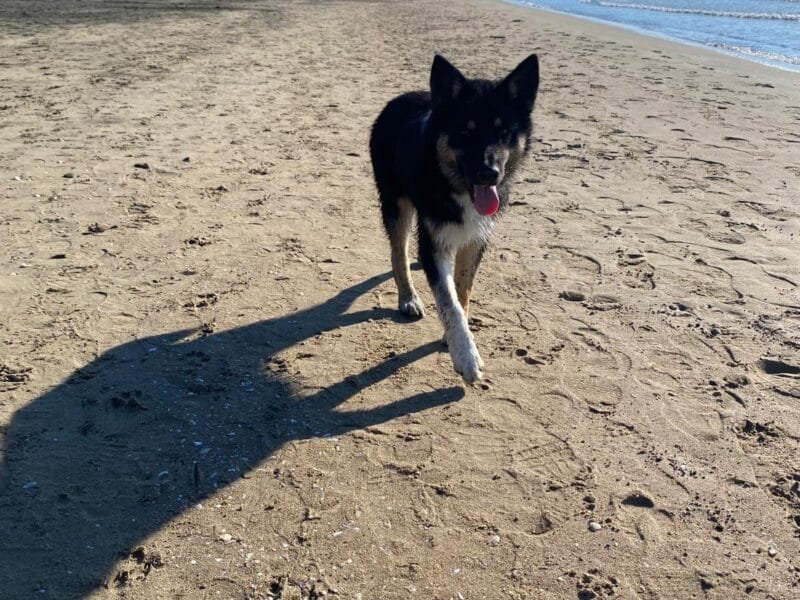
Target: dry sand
206	392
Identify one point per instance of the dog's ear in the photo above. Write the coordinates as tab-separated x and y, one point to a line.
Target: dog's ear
522	83
447	82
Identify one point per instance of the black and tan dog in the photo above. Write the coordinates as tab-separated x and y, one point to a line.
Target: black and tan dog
449	156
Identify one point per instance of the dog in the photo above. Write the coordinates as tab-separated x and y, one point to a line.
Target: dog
448	156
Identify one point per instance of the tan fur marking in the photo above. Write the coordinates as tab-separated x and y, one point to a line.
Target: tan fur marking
467	261
398	238
448	159
498	122
496	155
445	151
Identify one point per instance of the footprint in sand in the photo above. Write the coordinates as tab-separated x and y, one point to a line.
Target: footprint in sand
637	272
702	281
772	366
594	584
11	377
575	262
638	516
772	213
595	368
725	237
522	473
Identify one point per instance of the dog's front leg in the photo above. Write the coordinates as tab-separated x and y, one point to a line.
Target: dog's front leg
438	265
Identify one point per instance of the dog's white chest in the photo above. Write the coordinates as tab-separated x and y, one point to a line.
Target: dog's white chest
473	227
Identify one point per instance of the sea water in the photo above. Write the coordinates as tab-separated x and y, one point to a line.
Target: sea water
765	31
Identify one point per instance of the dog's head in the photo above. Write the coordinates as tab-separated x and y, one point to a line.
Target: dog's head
484	127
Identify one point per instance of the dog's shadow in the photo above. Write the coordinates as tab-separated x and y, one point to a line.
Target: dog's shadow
151	426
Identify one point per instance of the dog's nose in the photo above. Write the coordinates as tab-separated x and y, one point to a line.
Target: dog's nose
488	175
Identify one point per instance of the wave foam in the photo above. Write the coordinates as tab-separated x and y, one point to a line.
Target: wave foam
698	11
747	50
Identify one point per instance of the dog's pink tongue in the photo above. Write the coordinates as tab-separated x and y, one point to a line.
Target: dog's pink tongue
486	200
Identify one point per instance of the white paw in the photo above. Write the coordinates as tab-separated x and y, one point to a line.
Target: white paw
413	307
466	360
480	360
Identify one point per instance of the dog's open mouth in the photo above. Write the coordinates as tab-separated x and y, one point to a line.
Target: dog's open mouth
485	199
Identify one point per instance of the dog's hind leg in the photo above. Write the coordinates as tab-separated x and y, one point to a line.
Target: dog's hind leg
468	259
399	223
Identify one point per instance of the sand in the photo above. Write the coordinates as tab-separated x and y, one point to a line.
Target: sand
206	390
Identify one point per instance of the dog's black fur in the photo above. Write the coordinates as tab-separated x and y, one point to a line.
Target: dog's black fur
448	155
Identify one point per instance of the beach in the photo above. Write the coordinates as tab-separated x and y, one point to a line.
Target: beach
206	390
763	31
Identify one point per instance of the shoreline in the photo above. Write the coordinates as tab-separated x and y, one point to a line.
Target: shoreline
662	36
724	59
